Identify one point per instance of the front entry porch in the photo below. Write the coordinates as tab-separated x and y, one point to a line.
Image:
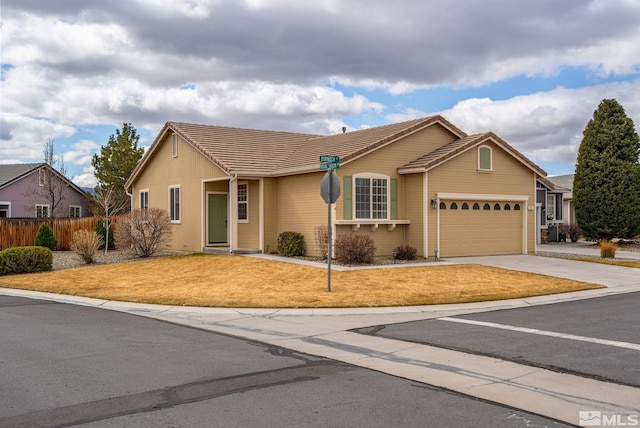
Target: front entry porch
232	216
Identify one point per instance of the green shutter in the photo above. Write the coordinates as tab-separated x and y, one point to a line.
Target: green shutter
394	199
348	198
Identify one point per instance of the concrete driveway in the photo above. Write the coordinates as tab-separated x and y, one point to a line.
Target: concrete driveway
607	275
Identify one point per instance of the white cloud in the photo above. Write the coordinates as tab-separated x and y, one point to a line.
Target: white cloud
276	64
546	126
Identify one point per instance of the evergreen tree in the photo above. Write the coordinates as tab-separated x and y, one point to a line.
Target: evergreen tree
116	161
606	186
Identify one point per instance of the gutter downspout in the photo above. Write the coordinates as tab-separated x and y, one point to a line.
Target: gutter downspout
231	223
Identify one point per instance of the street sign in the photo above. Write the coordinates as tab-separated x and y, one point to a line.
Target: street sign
330	187
327	166
330	159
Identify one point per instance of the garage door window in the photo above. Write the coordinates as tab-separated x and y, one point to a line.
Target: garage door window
486	207
507	207
465	206
516	207
476	206
496	207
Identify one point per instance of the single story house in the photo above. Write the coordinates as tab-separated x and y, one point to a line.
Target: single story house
550	210
422	182
26	189
566	182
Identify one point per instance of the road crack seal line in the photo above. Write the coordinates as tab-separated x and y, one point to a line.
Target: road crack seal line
165	398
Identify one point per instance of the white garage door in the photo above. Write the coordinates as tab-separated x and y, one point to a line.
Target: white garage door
473	228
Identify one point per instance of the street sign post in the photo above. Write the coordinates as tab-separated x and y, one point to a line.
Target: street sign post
330	192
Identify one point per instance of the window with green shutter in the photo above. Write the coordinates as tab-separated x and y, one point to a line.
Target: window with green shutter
348	198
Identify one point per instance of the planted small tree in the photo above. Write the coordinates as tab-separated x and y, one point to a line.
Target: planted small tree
606	186
45	238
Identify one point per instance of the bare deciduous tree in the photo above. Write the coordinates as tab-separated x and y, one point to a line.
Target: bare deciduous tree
145	231
50	184
107	203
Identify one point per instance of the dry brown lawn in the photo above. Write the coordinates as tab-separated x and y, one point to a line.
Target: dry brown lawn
614	262
235	281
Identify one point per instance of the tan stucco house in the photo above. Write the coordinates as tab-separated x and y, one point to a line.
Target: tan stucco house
423	183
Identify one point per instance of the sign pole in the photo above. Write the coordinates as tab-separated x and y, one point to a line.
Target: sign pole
330	192
329	234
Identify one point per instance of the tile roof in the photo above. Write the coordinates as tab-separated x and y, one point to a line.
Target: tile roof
10	172
461	145
251	150
238	149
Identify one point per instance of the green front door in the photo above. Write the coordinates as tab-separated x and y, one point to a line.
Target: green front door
217	219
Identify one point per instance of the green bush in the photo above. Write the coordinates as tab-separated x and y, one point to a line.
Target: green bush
45	238
25	260
405	252
99	229
355	249
291	244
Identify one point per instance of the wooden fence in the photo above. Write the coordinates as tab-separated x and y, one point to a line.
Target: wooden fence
22	232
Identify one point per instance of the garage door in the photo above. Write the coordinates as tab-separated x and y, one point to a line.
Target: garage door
473	228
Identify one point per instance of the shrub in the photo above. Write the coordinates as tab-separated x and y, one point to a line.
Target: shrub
45	238
575	233
99	229
355	249
25	260
607	249
405	252
85	244
291	244
144	231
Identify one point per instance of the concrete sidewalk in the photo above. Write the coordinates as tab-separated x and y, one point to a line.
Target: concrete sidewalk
588	249
326	332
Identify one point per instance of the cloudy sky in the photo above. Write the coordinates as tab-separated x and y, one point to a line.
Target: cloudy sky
533	72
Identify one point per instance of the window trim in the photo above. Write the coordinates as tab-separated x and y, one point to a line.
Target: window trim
140	193
172	204
480	167
42	206
245	203
7	209
74	207
372	176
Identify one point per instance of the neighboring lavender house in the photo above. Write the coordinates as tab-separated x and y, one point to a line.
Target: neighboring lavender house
24	189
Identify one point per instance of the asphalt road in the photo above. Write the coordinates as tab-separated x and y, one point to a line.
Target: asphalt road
70	365
596	338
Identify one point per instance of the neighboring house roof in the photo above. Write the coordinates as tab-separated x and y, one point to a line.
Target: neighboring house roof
564	181
454	148
10	173
250	151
